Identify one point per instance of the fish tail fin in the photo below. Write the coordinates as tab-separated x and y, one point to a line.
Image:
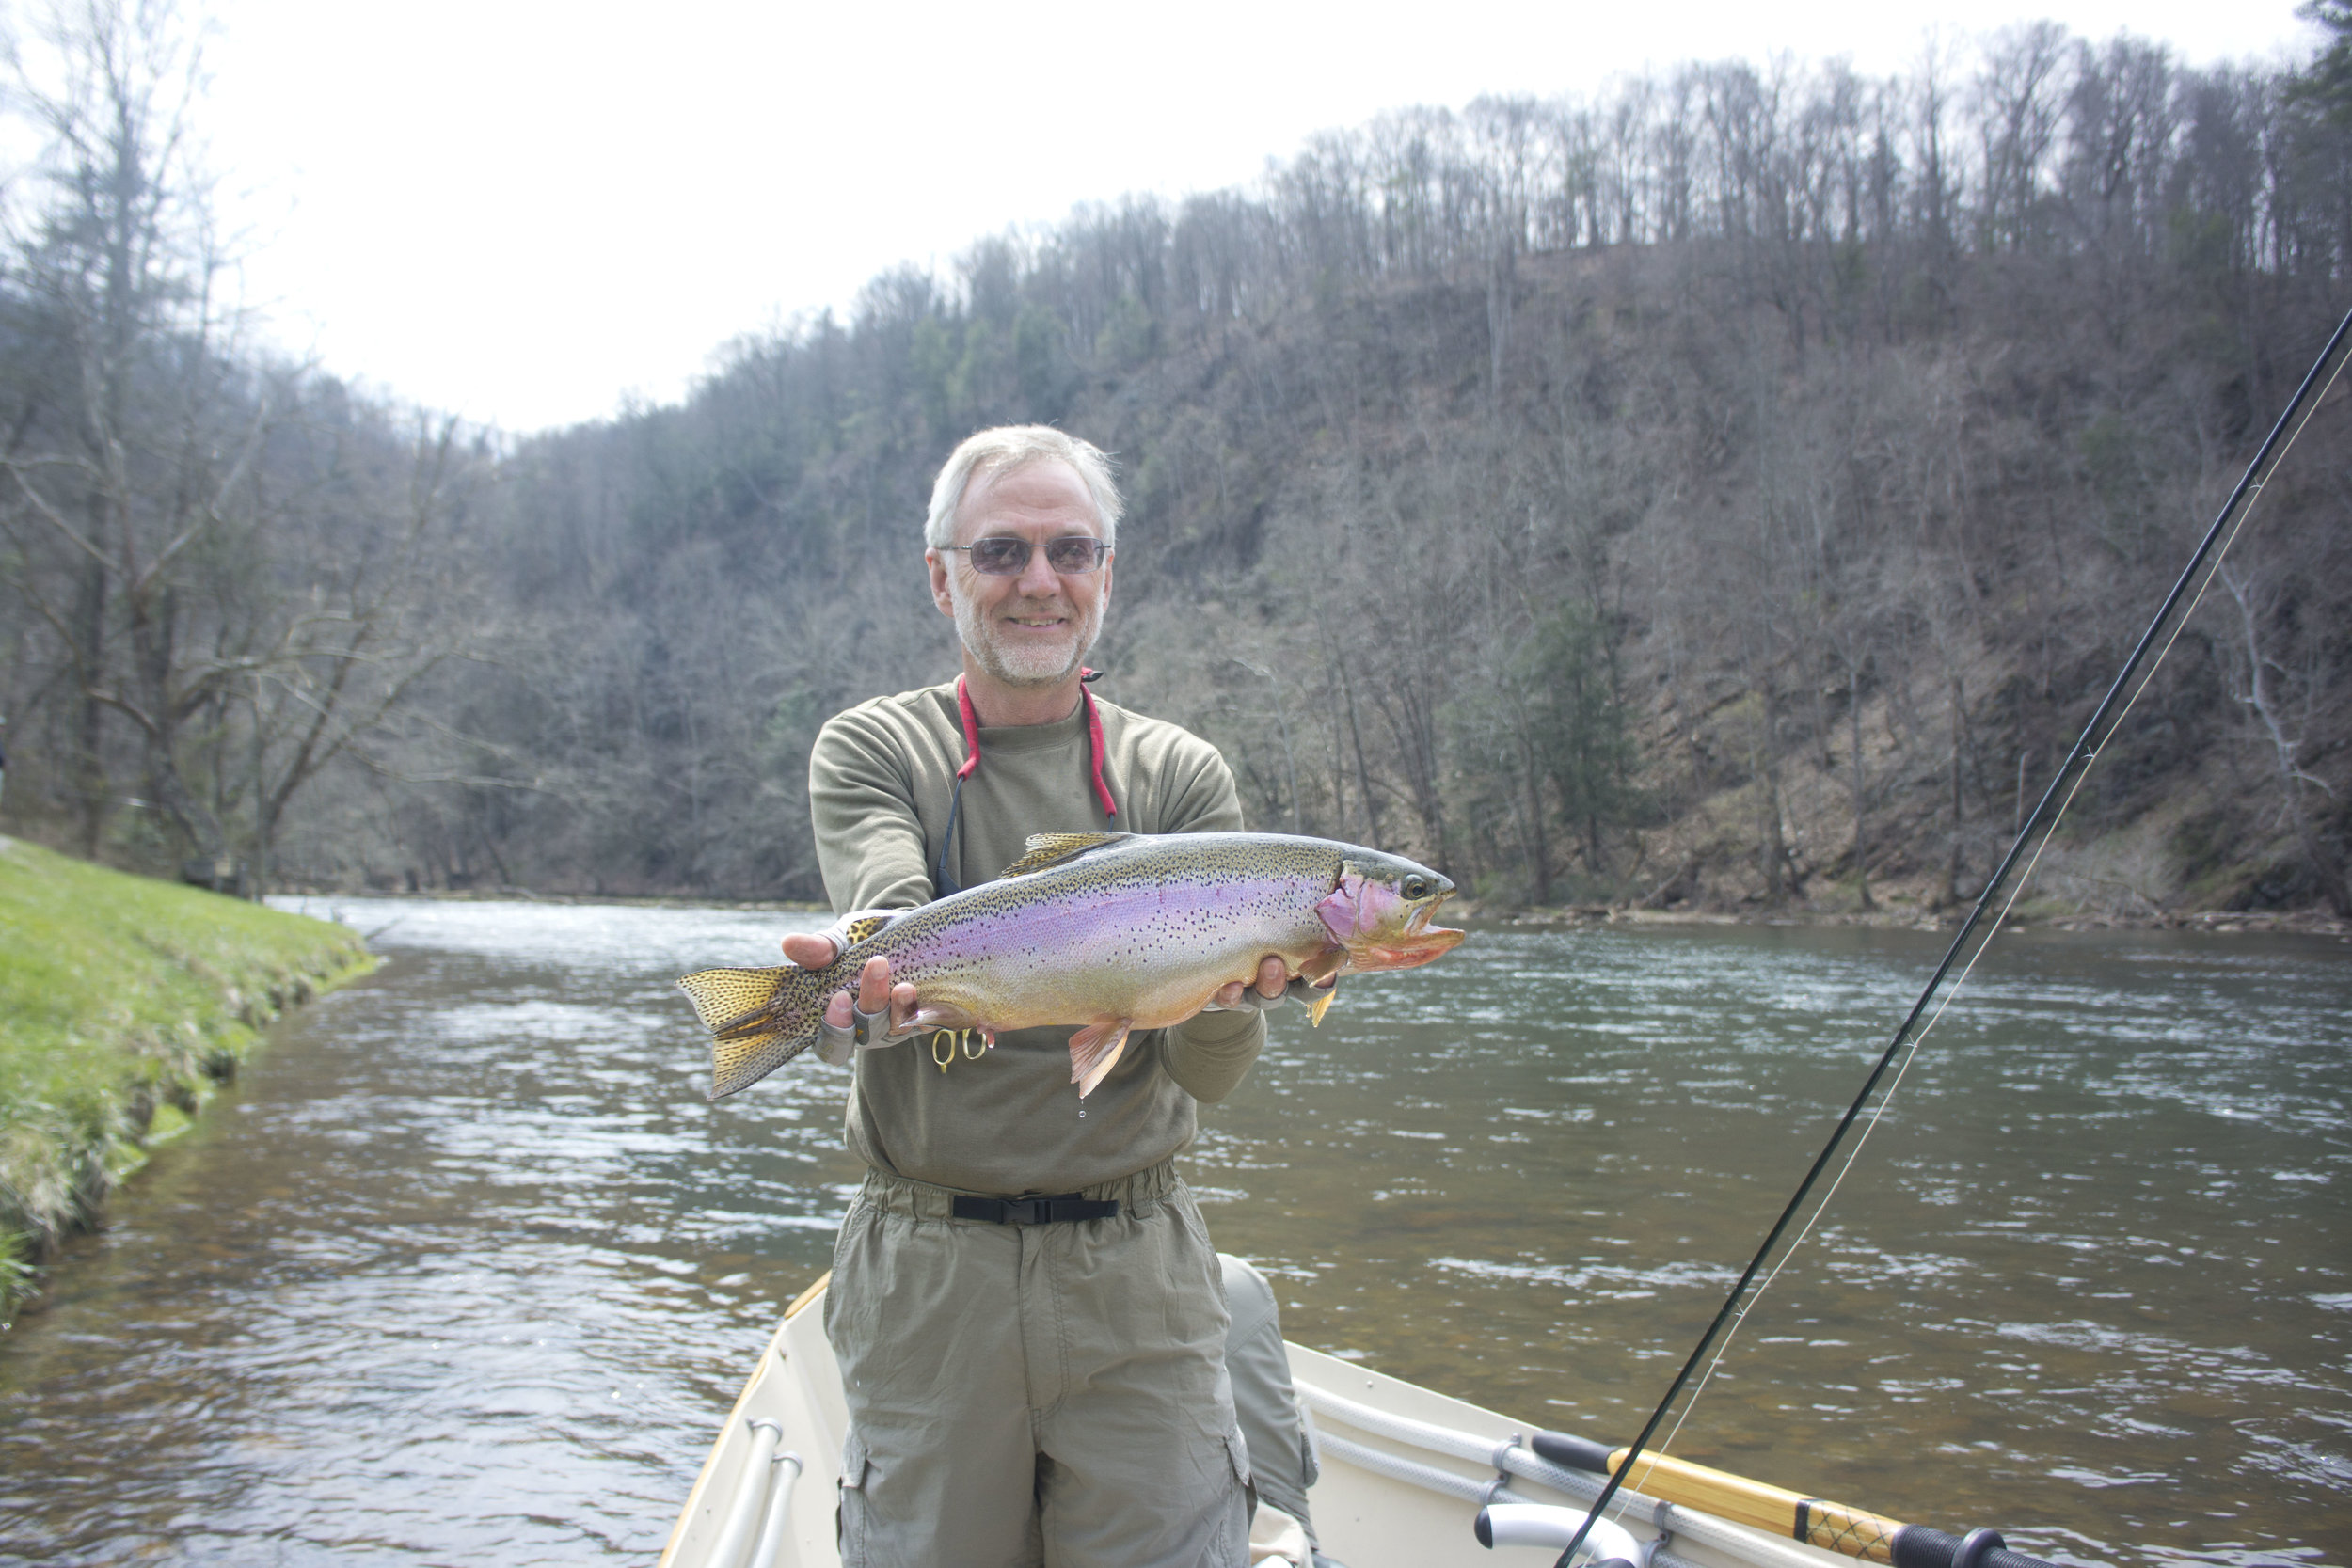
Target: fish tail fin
723	995
758	1018
1095	1049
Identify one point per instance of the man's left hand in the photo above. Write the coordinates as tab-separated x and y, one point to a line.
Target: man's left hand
1272	990
880	1013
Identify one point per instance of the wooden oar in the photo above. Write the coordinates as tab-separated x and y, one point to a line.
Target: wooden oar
1834	1526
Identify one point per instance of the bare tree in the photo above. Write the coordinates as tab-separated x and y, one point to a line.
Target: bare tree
2281	700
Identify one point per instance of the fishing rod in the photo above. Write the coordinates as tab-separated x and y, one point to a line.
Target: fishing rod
2107	718
1834	1527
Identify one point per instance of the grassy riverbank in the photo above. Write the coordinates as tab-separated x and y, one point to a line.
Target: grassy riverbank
123	1001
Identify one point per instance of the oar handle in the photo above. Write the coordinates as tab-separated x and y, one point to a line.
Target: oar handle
1856	1532
1571	1453
1918	1546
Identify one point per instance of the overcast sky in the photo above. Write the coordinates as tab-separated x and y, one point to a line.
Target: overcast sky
530	212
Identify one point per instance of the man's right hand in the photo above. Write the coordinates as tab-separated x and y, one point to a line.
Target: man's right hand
883	1007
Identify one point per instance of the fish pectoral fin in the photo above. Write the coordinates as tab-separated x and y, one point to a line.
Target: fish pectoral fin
1319	1000
1047	849
723	997
1323	967
1095	1049
941	1015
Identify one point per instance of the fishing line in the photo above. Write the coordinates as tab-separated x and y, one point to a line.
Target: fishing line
2016	891
2105	722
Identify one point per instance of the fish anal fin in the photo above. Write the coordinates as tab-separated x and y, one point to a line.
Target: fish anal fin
1046	850
1319	1003
726	996
1095	1049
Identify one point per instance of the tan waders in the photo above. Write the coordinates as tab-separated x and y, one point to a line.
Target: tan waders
1035	1393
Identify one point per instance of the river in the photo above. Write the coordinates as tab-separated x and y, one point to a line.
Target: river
464	1270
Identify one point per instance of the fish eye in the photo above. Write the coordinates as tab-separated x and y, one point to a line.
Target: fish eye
1416	887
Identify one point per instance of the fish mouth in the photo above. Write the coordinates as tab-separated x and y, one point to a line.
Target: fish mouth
1410	949
1417	943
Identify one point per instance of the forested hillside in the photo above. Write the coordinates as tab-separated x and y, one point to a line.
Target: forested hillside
1732	491
223	578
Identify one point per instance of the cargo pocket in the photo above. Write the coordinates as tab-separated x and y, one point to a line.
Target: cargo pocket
850	1518
852	1224
1309	1460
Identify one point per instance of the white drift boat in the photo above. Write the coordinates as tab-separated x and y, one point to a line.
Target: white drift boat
1410	1478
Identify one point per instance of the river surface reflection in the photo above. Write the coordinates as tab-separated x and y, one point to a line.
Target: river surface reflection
466	1269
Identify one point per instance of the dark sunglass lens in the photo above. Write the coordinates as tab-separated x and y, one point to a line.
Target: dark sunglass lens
1000	557
1075	554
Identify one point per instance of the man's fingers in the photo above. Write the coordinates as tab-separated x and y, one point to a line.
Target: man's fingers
873	985
810	950
1265	990
1274	977
901	1004
837	1010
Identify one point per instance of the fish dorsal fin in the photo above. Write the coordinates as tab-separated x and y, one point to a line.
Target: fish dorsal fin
1053	848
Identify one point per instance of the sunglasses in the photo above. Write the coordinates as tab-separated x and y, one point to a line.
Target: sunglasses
1005	558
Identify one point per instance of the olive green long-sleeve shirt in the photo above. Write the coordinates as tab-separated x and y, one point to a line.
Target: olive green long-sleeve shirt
879	780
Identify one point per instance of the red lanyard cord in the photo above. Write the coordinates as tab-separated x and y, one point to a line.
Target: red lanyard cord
944	881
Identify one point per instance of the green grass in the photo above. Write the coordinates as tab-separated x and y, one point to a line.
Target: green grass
123	1001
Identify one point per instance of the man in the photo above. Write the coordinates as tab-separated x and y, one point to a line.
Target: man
1029	1380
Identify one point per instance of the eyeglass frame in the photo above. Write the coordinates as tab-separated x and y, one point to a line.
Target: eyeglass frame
1102	551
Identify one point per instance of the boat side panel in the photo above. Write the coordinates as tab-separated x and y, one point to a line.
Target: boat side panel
1370	1521
706	1506
798	1386
1367	1520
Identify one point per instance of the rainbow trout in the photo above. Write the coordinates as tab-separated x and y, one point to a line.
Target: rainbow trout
1111	932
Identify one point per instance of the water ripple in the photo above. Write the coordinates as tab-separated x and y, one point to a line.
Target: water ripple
468	1268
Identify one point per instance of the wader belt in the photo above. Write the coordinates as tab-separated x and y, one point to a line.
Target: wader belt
1034	1210
1139	1193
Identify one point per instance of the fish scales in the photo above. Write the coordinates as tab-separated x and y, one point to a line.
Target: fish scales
1146	935
1111	932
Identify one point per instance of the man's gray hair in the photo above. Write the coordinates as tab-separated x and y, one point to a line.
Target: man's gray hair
1011	447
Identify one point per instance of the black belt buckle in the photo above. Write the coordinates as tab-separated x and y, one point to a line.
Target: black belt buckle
1056	1210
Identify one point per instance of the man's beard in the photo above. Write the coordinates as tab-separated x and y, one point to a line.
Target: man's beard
1030	664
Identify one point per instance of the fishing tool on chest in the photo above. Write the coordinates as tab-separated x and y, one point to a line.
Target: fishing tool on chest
947	1044
1933	1549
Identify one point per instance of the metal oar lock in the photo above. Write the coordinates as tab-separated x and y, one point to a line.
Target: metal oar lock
1834	1526
1546	1525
